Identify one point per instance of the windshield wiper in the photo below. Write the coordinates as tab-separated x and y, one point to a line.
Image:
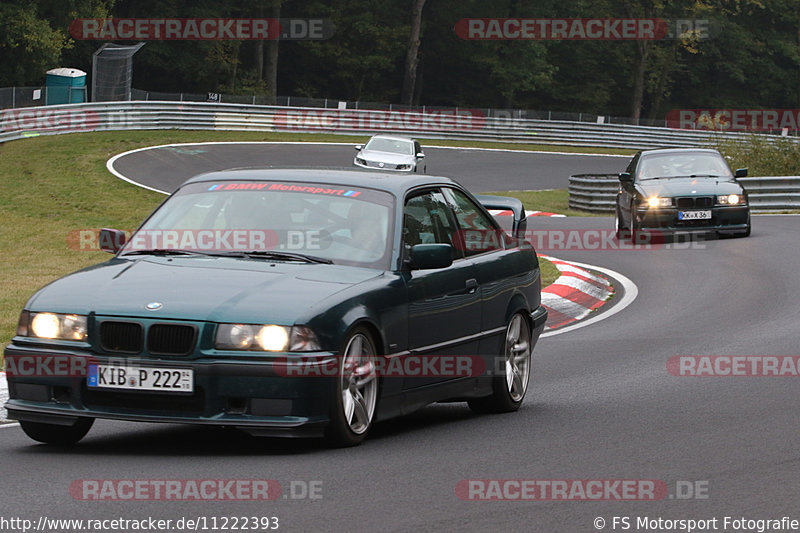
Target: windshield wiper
163	251
684	176
285	256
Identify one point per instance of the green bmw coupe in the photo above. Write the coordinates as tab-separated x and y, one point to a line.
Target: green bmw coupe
286	302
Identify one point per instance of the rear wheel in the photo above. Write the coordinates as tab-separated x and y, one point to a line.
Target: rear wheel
509	388
355	393
57	434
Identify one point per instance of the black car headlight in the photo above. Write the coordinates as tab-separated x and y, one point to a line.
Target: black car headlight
403	167
361	161
731	199
67	327
266	338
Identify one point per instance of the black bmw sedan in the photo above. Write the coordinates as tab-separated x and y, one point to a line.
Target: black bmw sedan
686	189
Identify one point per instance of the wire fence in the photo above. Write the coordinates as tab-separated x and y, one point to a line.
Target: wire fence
16	97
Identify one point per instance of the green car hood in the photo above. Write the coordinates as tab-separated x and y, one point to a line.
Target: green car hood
199	288
689	187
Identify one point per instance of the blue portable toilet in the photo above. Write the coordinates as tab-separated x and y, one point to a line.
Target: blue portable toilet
65	86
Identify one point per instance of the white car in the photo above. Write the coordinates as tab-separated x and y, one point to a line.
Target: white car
389	152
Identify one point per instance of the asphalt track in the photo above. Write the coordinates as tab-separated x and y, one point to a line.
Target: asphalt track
602	406
166	167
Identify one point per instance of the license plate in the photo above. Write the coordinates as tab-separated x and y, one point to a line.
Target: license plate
694	215
140	378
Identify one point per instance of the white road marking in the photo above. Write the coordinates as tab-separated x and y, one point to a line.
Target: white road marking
629	288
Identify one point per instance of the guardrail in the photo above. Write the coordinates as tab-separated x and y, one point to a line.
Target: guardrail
596	193
461	124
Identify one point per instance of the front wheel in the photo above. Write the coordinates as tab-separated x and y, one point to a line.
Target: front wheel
619	227
509	388
57	434
355	393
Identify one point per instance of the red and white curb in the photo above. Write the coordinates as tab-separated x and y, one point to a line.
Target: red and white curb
528	213
626	293
574	294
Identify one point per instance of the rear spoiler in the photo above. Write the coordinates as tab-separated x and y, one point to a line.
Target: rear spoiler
506	203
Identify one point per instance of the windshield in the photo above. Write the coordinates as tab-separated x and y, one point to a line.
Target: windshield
683	165
394	146
330	222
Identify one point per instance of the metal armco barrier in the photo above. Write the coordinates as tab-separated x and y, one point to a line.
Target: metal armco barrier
461	124
593	192
596	193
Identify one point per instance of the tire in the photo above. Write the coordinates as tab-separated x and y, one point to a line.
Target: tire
355	392
745	233
619	227
634	233
56	434
508	389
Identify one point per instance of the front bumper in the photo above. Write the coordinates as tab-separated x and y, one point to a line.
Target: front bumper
391	167
264	397
723	219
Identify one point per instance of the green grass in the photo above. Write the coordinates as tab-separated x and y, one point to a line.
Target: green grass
56	184
549	201
549	272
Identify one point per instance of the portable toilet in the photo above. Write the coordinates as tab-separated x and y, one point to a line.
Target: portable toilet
65	86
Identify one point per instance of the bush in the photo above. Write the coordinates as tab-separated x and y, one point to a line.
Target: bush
762	155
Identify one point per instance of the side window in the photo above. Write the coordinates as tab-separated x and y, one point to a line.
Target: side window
417	148
427	220
477	231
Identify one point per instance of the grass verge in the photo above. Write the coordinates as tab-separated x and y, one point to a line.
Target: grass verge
549	201
548	271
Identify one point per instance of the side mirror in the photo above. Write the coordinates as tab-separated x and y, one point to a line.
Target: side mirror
429	256
111	240
625	177
741	173
358	147
420	155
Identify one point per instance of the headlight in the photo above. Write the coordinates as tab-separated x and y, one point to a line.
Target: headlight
360	161
658	201
265	337
52	326
403	167
730	199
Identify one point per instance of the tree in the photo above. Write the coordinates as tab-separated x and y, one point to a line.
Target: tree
28	44
412	53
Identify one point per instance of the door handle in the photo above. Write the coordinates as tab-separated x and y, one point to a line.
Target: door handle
472	285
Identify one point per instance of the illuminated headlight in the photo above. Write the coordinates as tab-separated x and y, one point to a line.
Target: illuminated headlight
658	201
52	326
266	337
730	199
